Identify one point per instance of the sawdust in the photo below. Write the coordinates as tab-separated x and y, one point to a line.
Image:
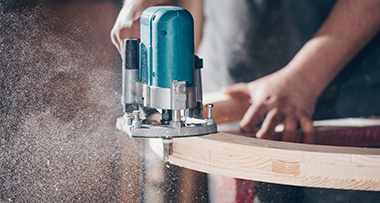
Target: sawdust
59	101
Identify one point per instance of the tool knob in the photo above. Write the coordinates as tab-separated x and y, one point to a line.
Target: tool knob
136	121
198	62
209	113
131	54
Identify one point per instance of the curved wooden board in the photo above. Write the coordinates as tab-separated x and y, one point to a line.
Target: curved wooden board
280	162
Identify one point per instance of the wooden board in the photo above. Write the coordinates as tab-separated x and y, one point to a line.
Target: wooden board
279	162
226	109
237	156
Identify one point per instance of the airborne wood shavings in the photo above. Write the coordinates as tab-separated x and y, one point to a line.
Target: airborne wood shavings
58	108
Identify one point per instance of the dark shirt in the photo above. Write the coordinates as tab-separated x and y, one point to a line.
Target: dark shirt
247	39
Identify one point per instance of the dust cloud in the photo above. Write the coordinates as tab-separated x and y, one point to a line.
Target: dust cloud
59	102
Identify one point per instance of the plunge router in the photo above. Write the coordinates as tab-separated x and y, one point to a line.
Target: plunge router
162	75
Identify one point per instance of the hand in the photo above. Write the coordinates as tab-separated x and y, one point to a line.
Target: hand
289	95
127	24
280	98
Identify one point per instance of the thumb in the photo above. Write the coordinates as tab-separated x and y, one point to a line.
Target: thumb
238	91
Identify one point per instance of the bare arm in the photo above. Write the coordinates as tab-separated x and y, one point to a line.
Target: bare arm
289	95
349	27
196	9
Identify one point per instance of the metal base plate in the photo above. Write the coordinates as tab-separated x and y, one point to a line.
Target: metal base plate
192	127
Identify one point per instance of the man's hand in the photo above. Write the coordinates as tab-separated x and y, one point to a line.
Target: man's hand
127	24
279	98
289	95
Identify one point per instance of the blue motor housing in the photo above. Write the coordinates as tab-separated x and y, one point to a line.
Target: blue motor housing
167	79
166	47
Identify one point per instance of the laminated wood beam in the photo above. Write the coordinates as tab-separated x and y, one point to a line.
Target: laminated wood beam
280	162
237	156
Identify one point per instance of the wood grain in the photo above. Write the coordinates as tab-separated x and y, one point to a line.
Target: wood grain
279	162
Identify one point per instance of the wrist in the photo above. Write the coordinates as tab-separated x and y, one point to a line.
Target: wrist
316	64
304	80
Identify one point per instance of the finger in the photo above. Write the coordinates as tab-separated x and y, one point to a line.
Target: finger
308	130
290	128
136	29
252	117
115	40
239	91
132	32
272	119
127	33
120	44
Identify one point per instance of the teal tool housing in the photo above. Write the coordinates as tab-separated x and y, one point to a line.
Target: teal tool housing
166	47
162	75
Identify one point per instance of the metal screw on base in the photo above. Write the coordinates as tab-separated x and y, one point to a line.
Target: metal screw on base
209	119
128	119
209	110
136	121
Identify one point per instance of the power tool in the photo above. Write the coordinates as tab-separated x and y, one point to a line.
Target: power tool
162	75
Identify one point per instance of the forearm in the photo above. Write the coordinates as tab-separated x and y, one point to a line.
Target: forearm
196	9
349	27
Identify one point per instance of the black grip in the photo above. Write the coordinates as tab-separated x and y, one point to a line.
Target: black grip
131	50
198	62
